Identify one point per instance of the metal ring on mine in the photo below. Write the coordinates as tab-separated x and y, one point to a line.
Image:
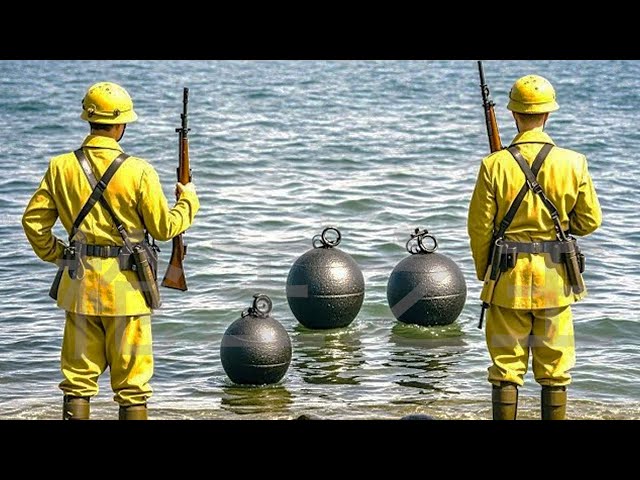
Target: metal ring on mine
412	246
425	249
415	243
262	305
317	242
329	242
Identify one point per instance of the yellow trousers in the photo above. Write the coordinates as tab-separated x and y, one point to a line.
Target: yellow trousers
547	332
92	343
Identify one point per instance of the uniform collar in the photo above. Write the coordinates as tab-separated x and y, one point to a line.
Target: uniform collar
532	136
98	141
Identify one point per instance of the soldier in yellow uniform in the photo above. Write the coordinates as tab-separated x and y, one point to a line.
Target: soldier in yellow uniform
108	322
530	307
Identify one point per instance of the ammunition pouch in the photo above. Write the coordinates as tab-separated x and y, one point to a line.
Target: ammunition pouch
502	258
582	260
508	258
147	273
574	262
151	250
70	260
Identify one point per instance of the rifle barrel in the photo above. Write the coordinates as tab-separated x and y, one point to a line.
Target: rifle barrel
481	70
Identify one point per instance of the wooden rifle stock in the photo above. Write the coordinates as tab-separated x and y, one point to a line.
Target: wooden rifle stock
495	143
174	276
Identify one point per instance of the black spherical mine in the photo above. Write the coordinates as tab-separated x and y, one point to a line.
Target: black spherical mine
426	288
325	286
256	349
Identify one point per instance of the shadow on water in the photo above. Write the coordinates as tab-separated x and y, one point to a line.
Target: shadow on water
423	355
245	400
328	357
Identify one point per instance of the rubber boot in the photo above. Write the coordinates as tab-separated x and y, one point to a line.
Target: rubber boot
75	408
133	412
505	401
553	403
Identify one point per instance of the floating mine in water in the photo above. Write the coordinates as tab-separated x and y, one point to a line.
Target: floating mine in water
256	349
325	287
426	288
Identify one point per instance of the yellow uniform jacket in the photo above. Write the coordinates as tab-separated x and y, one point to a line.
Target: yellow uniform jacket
535	282
136	197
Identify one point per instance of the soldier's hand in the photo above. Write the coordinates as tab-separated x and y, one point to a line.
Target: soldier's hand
189	187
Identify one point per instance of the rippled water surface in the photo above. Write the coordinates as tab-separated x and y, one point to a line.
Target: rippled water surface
281	149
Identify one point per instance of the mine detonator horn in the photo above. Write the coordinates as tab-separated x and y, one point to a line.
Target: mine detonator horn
174	276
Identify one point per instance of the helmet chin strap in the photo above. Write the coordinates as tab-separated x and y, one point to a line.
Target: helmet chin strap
122	134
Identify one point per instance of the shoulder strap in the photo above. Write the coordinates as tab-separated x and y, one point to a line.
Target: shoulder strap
86	167
532	183
535	168
99	187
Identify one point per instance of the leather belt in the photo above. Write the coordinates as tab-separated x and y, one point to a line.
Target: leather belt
104	251
553	246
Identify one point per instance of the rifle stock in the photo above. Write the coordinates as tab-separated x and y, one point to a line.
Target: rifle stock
174	276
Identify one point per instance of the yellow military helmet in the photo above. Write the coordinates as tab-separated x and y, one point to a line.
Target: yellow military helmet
109	103
532	94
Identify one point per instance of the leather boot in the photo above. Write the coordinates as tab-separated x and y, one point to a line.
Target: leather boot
133	412
553	403
75	408
505	401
